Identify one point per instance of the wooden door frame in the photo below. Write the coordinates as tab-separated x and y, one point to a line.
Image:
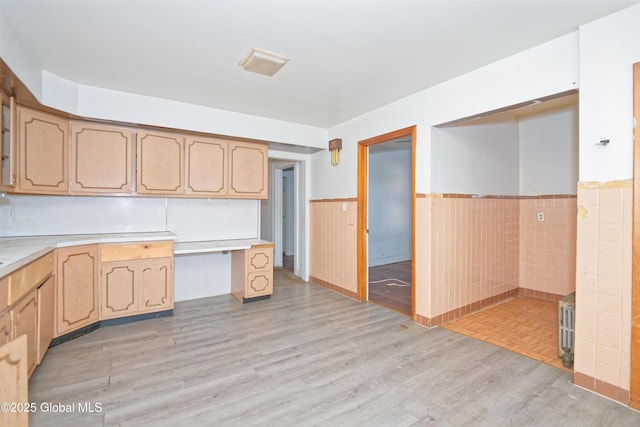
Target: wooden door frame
363	192
634	399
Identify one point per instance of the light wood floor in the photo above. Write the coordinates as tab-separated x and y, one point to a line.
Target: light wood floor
527	326
390	286
307	356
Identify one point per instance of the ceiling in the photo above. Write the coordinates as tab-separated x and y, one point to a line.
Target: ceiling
347	57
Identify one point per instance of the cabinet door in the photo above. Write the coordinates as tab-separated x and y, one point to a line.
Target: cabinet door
46	318
156	285
14	384
259	272
43	165
25	322
118	290
248	170
160	163
5	328
7	146
101	159
206	166
76	287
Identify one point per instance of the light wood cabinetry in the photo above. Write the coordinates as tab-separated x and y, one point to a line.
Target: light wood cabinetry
135	279
5	328
7	146
101	159
46	316
25	322
28	277
160	163
43	161
4	293
76	287
252	273
248	170
206	166
14	384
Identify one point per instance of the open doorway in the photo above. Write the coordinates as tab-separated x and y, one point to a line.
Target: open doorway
288	218
506	224
386	206
283	220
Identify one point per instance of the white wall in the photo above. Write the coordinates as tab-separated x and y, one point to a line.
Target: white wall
189	219
608	49
549	151
389	210
479	157
545	70
288	210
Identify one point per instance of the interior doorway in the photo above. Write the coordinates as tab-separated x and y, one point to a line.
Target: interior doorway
386	211
283	215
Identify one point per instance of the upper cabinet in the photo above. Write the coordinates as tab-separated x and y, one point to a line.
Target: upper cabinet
43	165
248	170
56	155
206	166
160	163
7	150
101	159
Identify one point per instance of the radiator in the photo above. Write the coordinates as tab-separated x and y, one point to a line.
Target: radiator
566	323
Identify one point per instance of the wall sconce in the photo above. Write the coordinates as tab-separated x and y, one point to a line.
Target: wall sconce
335	145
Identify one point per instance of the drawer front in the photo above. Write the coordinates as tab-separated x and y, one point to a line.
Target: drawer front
4	293
259	259
259	284
28	277
124	252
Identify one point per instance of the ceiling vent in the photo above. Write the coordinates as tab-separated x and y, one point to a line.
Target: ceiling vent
263	62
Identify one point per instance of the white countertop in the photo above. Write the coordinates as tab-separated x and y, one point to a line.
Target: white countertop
182	248
16	252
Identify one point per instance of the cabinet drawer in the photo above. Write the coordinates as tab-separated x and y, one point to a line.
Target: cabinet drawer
259	284
28	277
259	259
119	252
4	293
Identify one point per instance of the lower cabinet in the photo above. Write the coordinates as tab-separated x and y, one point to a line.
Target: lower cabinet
25	322
136	279
14	385
5	328
46	316
76	288
252	273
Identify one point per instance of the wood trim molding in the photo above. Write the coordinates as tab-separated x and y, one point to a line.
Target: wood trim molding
634	398
350	199
334	288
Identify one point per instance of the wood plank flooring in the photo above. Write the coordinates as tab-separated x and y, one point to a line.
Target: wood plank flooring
527	326
307	356
390	286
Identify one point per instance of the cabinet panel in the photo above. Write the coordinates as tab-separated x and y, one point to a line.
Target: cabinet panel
118	290
121	252
260	259
14	384
46	317
206	166
26	278
4	293
7	146
248	170
5	328
160	163
76	287
25	322
156	285
259	284
43	165
101	159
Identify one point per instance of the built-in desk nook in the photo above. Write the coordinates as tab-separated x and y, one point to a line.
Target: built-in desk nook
251	264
